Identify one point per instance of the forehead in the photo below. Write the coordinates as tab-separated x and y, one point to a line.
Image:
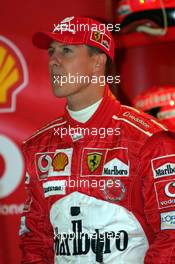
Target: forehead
56	44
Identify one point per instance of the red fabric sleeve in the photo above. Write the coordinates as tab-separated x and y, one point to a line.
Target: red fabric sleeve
158	172
36	231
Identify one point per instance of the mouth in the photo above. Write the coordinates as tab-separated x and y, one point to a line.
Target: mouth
57	78
54	75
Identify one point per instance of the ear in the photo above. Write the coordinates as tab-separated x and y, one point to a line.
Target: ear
99	63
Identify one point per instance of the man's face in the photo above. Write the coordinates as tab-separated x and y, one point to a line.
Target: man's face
66	64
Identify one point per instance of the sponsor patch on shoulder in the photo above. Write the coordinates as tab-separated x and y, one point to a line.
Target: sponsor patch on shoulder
139	120
163	166
54	188
168	220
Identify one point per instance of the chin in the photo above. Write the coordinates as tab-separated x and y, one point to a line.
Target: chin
59	91
59	94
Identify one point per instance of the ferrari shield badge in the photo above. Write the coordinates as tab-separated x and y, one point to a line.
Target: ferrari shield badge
94	160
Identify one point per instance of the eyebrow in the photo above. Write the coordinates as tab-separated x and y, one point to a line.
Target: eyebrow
61	45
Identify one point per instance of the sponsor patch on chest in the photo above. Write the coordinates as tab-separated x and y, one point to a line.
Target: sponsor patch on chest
54	188
56	163
105	162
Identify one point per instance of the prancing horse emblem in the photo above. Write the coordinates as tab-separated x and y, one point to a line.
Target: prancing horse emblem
94	160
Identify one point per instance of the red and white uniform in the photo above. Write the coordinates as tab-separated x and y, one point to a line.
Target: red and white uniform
73	216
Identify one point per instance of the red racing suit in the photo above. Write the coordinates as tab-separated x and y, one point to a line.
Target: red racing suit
101	191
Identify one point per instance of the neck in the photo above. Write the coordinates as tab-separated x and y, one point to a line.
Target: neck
85	98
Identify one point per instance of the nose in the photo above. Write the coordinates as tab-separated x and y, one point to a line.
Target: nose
54	59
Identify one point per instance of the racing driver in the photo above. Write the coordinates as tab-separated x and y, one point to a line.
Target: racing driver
96	197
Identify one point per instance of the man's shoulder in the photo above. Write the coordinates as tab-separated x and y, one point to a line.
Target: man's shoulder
139	121
44	131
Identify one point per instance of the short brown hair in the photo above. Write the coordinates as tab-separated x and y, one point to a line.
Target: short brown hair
94	50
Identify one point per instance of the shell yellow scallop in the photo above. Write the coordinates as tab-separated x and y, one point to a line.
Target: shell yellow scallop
9	73
60	161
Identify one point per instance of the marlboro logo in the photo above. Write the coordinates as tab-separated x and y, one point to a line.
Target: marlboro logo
163	166
165	170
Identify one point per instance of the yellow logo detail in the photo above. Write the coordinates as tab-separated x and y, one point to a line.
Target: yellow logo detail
9	74
96	36
94	160
60	161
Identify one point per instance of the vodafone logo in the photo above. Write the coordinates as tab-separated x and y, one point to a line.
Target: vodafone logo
12	172
170	189
165	193
48	160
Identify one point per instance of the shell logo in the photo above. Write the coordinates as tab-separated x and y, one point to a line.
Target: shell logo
13	74
60	161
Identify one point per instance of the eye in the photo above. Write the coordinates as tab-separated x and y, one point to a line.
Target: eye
50	51
66	50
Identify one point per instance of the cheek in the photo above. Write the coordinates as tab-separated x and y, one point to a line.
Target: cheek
82	67
50	67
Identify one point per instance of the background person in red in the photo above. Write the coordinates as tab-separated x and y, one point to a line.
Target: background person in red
158	101
131	218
